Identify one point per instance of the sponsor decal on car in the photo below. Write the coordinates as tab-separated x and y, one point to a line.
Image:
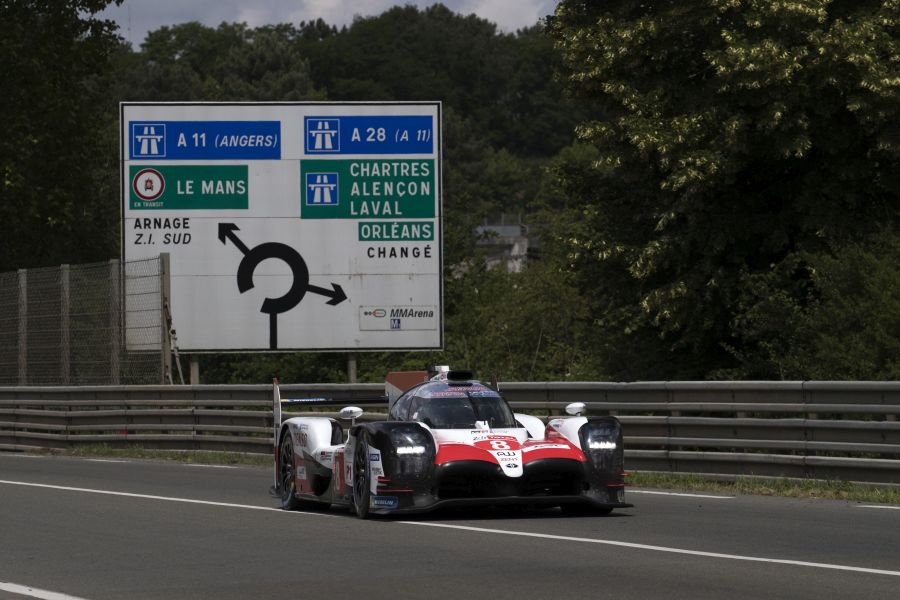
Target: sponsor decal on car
375	469
338	481
484	393
545	447
385	501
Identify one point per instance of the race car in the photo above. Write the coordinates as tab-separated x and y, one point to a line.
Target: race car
449	441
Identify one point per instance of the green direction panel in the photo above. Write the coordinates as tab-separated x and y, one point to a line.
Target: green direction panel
188	187
367	189
396	231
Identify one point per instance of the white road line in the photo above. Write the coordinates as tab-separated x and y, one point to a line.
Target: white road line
565	538
203	466
106	460
25	590
17	455
797	563
633	491
879	506
149	497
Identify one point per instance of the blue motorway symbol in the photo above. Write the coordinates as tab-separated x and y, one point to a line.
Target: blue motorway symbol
322	189
322	135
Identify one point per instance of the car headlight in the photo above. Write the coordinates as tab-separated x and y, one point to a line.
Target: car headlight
412	449
601	445
601	440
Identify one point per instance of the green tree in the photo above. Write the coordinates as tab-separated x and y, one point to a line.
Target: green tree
52	58
502	84
232	62
732	135
844	324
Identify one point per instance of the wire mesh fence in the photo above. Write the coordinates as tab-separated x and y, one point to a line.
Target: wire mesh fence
92	324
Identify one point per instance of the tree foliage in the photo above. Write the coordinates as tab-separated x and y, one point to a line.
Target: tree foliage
229	63
502	83
732	137
52	60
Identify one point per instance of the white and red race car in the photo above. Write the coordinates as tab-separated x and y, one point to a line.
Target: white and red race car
448	441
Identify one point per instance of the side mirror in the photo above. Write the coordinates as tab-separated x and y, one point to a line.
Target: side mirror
575	409
351	412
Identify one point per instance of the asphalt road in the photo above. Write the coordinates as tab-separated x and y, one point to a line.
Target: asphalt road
96	530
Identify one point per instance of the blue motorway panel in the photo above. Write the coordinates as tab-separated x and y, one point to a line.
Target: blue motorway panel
369	134
204	140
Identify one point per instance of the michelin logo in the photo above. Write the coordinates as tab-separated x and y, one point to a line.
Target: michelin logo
386	501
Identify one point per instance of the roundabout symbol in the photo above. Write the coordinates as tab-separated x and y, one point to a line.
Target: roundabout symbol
299	287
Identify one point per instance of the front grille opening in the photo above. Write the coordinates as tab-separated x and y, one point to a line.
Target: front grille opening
464	485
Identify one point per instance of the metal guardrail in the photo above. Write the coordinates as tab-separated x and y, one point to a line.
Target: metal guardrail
840	430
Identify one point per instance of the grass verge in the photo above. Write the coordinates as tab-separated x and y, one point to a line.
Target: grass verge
201	457
758	486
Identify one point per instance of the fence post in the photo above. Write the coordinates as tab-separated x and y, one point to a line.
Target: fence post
115	321
65	367
23	327
164	308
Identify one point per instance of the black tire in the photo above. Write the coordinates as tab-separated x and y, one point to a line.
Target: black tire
362	476
286	472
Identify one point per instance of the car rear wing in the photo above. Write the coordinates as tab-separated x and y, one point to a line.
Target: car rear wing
278	402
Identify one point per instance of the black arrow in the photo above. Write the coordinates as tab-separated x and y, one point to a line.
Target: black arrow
226	230
336	294
299	286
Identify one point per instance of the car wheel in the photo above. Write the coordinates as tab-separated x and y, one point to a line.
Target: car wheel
361	476
286	474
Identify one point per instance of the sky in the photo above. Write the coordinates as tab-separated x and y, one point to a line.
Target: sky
137	17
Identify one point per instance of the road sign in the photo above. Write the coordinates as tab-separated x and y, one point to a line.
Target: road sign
290	226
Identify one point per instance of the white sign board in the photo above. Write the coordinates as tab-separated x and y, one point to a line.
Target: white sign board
290	226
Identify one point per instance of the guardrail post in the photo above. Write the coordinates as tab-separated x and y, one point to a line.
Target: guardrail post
670	397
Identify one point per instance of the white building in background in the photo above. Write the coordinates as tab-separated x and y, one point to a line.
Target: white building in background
505	241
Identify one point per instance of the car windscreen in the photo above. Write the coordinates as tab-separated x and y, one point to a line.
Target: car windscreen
461	412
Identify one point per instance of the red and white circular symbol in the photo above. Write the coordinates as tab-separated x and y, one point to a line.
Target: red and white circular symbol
148	184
